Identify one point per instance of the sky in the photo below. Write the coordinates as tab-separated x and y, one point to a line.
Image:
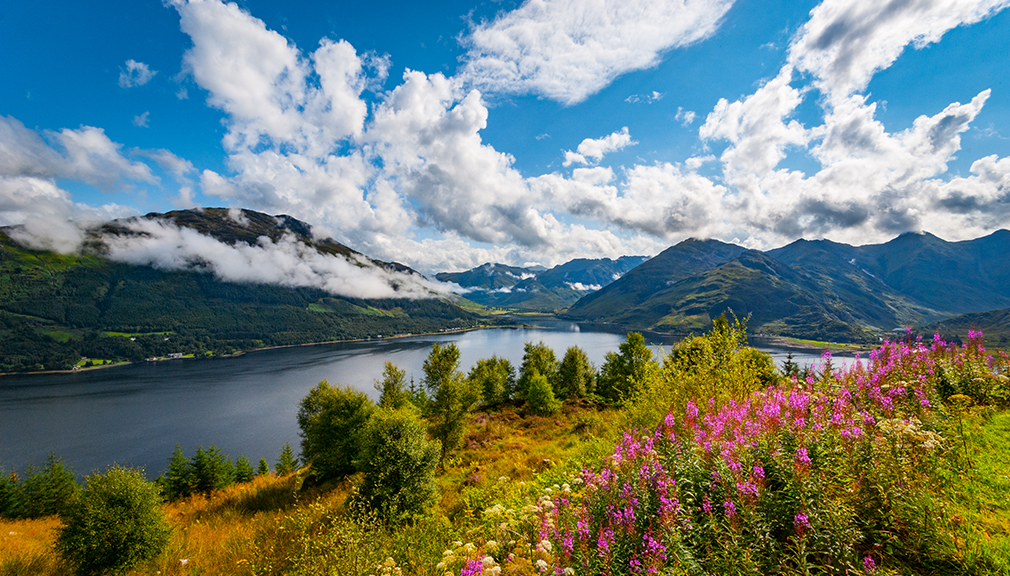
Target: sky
445	135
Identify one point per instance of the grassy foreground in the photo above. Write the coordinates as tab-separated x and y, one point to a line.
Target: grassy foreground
900	465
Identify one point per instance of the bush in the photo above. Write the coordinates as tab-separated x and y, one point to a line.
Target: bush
399	463
540	397
114	523
330	420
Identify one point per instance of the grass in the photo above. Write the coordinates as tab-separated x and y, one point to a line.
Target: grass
823	345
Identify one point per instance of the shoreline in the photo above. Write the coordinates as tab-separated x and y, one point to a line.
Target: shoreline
244	352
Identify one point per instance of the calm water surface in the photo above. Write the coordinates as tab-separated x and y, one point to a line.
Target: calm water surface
135	415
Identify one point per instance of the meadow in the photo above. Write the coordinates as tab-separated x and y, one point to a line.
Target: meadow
706	461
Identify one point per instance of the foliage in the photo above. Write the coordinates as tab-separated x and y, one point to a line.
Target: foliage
330	420
116	522
538	358
286	461
398	462
717	366
622	373
38	493
178	480
540	396
262	468
495	378
452	397
243	470
211	470
392	389
576	375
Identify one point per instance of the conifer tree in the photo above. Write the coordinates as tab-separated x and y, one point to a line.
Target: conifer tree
286	462
243	470
263	467
178	480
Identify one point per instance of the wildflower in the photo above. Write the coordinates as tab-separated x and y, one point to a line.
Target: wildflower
869	566
541	565
544	545
801	522
729	508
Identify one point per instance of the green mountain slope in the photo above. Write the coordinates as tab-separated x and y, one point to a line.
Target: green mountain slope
54	308
673	264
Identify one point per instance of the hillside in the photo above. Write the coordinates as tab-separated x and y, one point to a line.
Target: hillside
55	308
993	324
808	289
537	289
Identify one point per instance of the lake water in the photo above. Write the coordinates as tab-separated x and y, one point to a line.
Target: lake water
134	415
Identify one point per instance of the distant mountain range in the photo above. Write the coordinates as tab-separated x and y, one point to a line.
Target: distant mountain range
537	288
808	289
203	282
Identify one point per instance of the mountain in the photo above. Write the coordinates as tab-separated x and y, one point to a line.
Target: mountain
638	285
538	289
103	304
811	289
994	325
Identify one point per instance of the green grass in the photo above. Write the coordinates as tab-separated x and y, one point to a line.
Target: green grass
822	344
61	336
135	334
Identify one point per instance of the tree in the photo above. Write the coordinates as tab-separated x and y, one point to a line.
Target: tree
263	467
495	378
393	393
537	358
540	397
178	479
243	470
622	372
10	495
790	368
576	375
114	523
47	491
211	470
330	420
286	461
451	396
398	462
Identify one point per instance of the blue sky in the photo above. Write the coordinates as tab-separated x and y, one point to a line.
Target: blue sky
444	135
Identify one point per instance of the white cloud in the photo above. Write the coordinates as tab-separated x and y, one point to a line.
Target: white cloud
142	121
845	43
286	262
685	117
593	150
86	155
567	51
135	74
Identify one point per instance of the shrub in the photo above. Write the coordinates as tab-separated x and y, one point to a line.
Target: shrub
495	378
399	463
114	523
576	375
330	420
540	397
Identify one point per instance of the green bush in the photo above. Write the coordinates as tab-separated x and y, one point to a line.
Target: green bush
622	374
330	420
115	522
399	463
540	397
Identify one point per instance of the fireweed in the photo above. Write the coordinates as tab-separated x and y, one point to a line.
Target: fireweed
818	475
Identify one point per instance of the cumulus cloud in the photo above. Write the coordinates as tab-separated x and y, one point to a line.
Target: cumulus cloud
593	150
286	262
845	43
135	74
567	51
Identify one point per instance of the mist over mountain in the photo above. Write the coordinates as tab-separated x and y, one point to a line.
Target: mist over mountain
204	282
